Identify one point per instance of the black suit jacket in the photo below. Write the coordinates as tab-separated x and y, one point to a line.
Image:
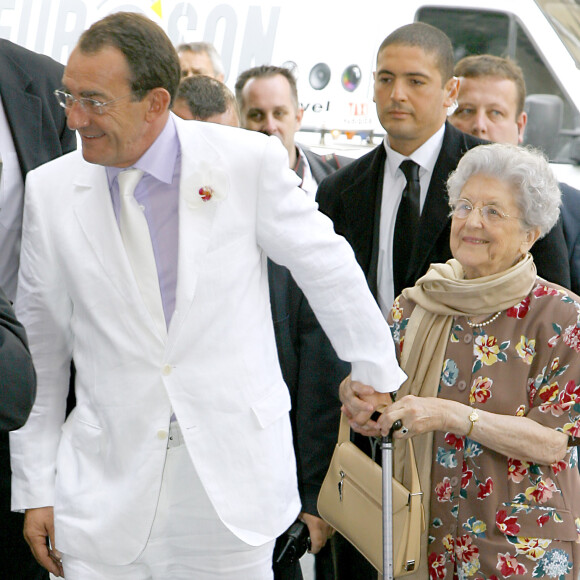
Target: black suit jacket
571	223
17	377
37	122
310	368
351	198
322	166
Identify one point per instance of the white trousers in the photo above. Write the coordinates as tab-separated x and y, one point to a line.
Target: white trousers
188	541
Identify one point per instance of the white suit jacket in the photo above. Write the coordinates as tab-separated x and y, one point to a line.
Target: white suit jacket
217	368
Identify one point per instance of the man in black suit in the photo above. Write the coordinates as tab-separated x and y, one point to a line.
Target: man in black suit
413	91
268	100
35	132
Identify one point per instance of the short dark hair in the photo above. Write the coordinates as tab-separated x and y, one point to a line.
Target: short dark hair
152	59
488	65
206	96
430	39
204	48
266	71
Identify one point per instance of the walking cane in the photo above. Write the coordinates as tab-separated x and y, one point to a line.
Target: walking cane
387	460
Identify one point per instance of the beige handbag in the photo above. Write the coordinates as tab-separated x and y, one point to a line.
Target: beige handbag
350	500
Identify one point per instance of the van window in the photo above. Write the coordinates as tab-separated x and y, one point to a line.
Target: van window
475	31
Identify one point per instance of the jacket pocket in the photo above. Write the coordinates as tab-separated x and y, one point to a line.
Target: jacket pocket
271	407
84	436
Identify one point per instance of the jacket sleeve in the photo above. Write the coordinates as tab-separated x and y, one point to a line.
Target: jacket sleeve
317	406
17	377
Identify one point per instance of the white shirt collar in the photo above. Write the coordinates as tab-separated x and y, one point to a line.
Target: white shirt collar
425	156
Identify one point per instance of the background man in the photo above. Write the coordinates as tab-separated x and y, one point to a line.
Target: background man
490	105
398	223
200	58
178	460
491	99
32	131
268	100
204	98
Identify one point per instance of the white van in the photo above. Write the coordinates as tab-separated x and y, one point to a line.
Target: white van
332	47
542	36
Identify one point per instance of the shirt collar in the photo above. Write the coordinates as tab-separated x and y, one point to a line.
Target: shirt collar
159	160
425	156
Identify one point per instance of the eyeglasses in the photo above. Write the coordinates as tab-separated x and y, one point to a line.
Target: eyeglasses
490	214
91	106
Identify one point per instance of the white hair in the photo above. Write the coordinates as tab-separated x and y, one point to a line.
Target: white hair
525	168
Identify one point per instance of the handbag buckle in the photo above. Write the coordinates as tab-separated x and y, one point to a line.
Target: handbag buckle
341	484
410	566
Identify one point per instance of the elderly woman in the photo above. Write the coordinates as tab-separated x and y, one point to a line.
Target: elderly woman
492	400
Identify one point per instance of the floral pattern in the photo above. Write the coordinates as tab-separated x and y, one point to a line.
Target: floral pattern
526	349
494	517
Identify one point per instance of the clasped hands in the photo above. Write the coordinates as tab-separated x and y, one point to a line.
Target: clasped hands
360	402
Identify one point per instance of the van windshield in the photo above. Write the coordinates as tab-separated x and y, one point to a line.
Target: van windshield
565	18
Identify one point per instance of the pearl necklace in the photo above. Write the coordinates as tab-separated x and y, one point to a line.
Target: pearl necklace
481	324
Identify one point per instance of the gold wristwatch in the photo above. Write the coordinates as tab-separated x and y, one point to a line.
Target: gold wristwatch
473	417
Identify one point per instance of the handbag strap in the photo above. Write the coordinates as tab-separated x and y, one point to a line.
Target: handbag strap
343	430
416	514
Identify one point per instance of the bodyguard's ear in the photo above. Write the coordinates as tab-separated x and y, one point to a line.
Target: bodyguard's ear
452	90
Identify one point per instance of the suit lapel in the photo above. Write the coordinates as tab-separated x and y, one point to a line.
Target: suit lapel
435	214
201	166
362	203
23	112
94	211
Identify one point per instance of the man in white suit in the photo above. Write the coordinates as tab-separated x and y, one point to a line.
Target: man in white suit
177	461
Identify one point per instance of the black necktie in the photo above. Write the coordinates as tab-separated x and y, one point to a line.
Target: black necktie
406	224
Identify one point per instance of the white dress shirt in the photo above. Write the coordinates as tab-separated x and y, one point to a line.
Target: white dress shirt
394	183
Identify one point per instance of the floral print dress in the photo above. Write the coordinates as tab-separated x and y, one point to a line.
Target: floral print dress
493	516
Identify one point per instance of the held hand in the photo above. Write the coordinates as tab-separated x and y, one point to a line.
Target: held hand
417	415
38	528
320	531
360	401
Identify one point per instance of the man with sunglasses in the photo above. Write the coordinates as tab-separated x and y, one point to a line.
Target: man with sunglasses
145	259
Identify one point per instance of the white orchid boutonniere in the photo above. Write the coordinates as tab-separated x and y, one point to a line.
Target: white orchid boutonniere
208	184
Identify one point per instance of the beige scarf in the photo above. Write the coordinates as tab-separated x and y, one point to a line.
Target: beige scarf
439	296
